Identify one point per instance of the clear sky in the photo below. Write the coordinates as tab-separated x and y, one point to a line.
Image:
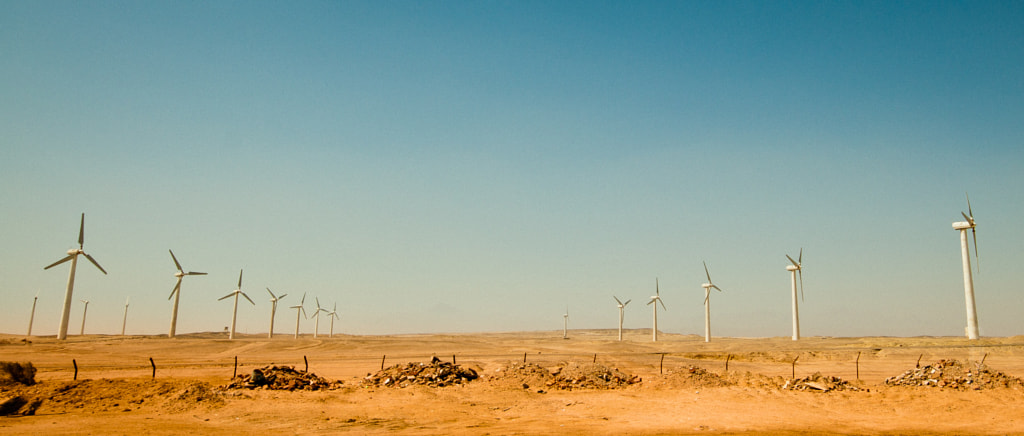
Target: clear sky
479	166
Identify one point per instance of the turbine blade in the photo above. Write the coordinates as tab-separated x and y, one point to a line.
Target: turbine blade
707	296
657	288
627	302
303	309
176	264
81	232
240	279
969	219
247	298
226	296
94	262
793	261
716	288
706	272
177	287
977	260
969	205
662	304
800	258
652	301
617	300
303	298
282	296
271	294
193	273
317	303
60	261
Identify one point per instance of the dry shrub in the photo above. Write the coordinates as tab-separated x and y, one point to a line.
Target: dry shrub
16	372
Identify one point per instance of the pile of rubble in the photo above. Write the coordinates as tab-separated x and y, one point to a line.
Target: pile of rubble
819	383
572	375
282	378
524	374
434	374
954	374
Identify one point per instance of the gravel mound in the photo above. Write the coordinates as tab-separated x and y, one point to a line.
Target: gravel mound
434	374
573	375
955	374
284	378
819	383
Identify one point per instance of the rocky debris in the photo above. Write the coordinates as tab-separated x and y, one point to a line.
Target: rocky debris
283	378
700	377
954	374
434	374
573	375
819	383
17	372
525	375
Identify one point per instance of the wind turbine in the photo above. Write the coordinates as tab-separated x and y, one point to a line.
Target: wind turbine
962	226
316	325
796	267
62	331
86	309
176	292
565	324
707	303
125	321
32	316
301	311
333	314
273	310
234	312
657	298
621	307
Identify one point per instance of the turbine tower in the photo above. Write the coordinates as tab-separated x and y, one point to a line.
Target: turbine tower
124	322
234	311
621	307
656	297
62	331
972	310
316	324
84	311
333	314
32	315
796	267
707	303
176	292
273	310
300	310
565	324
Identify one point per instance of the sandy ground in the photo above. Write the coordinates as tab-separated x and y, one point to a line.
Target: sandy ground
116	394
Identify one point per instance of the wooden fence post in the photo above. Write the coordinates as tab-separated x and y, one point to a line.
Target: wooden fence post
154	366
76	368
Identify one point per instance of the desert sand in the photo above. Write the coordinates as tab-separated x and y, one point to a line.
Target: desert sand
116	393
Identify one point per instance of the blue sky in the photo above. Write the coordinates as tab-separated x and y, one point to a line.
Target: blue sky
479	166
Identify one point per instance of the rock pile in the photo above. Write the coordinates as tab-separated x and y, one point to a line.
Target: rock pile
434	374
954	374
573	375
282	378
819	383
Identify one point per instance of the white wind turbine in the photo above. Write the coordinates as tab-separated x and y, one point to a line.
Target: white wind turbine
84	311
972	311
62	331
656	297
300	310
565	324
273	310
124	322
796	267
621	307
707	303
176	292
234	312
316	324
333	314
32	316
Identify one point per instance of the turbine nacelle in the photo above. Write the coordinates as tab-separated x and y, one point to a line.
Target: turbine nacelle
960	225
792	268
